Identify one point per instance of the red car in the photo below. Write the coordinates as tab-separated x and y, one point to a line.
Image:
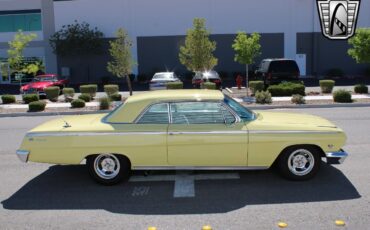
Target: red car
40	82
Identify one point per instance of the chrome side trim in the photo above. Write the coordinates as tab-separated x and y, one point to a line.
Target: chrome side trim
291	132
336	157
208	132
200	167
61	134
23	155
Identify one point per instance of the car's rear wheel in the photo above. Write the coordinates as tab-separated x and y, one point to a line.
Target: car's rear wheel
108	169
299	163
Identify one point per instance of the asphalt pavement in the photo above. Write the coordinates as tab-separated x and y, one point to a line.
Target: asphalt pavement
44	196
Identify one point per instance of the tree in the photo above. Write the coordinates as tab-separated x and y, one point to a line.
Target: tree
77	40
120	51
15	51
360	50
246	48
197	53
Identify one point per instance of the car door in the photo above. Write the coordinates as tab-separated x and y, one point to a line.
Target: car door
205	134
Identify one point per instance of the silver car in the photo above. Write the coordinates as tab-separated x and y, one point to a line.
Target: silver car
160	80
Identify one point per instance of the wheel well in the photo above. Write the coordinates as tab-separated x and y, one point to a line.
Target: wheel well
318	148
116	154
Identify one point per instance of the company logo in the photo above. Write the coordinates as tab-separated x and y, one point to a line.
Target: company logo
338	18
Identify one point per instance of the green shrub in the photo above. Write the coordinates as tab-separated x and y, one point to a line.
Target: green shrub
256	86
327	86
175	85
68	94
85	97
52	93
116	97
111	89
286	89
78	103
208	85
342	96
36	106
8	99
104	103
298	99
335	72
89	89
361	88
28	98
263	97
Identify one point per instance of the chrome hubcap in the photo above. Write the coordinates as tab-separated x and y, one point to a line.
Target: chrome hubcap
301	162
107	166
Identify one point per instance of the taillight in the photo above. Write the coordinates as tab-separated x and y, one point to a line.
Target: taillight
297	74
269	76
198	81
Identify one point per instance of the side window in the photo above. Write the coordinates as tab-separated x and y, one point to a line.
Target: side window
156	114
199	113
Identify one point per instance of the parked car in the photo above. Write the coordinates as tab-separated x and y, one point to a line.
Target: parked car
40	82
211	76
186	130
274	71
160	80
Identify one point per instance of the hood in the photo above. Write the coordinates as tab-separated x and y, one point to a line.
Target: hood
80	123
294	119
37	85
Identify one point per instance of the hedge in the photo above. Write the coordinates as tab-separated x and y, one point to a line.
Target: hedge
342	96
116	97
85	97
208	85
28	98
256	86
36	106
78	103
52	93
286	89
68	94
89	89
327	86
175	85
8	99
111	89
298	99
361	88
263	97
104	103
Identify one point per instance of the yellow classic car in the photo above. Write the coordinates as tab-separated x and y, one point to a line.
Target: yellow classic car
187	130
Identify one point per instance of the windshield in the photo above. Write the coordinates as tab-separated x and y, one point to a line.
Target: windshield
239	109
36	79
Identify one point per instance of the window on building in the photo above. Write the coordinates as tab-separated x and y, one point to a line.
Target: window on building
25	20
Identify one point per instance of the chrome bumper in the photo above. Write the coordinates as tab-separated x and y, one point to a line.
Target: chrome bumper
336	157
23	155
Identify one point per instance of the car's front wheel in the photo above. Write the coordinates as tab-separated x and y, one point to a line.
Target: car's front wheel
299	163
108	169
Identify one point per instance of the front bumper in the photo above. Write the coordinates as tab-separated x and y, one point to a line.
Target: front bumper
336	157
23	155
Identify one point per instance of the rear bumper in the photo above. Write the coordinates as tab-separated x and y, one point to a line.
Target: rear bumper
336	157
23	155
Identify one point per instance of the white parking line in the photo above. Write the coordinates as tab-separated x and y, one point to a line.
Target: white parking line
184	181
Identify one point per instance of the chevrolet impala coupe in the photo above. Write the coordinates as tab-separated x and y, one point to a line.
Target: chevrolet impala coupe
187	130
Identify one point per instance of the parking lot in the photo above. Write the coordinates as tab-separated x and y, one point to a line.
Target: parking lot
36	196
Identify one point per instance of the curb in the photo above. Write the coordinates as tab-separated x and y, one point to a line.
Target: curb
344	105
41	114
262	107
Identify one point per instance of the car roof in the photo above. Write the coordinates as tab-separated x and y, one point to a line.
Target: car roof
46	75
135	104
175	95
163	73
